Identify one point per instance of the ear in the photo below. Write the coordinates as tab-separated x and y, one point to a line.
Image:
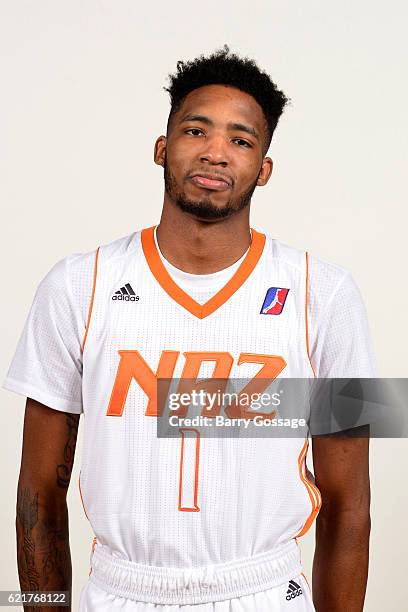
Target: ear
160	150
265	171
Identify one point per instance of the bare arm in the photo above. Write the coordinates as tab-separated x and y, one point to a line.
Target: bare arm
43	554
340	566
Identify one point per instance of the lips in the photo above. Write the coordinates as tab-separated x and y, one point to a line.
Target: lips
210	181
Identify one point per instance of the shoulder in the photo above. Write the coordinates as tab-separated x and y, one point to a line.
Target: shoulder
326	281
71	279
125	247
80	264
323	277
286	255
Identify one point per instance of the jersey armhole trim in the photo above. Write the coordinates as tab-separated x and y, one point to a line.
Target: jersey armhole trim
92	298
312	490
306	314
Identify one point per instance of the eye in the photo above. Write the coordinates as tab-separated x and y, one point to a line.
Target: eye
194	130
243	142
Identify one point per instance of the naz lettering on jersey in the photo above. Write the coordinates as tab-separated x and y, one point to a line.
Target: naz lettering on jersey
132	366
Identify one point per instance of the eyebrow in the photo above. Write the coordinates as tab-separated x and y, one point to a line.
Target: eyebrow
231	126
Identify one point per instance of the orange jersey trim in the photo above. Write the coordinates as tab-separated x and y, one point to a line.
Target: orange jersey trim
80	493
92	551
92	298
307	582
184	299
83	505
306	314
313	491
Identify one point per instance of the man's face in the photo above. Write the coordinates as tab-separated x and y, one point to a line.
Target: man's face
213	154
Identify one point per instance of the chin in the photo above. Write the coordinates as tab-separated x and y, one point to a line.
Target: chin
204	210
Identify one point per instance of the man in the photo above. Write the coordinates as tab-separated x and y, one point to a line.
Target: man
188	523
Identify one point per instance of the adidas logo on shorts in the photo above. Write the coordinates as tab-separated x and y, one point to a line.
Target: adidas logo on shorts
294	590
126	294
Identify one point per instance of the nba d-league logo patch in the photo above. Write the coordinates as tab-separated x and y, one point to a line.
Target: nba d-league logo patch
274	300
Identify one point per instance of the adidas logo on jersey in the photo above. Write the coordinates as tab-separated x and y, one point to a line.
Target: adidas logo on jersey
294	590
126	294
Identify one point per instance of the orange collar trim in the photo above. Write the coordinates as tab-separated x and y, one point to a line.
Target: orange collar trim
184	299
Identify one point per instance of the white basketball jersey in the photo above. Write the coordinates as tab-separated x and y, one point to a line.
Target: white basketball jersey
187	502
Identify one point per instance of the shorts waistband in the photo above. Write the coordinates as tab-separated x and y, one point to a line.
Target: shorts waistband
187	586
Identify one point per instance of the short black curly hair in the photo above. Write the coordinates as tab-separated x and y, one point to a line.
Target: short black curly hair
223	68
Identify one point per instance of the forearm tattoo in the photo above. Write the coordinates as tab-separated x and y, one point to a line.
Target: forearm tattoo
44	560
43	555
56	556
64	469
27	519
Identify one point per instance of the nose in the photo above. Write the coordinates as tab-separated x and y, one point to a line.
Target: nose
215	151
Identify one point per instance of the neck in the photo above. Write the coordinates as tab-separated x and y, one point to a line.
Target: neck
202	247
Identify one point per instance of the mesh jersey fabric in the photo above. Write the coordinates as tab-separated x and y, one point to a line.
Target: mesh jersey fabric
335	308
47	363
253	495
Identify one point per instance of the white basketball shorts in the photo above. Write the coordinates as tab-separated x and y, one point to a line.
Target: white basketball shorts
271	582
